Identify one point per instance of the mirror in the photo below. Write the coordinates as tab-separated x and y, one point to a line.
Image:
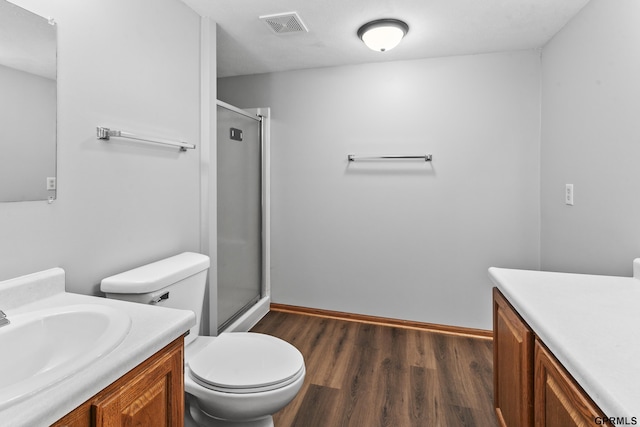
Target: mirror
27	105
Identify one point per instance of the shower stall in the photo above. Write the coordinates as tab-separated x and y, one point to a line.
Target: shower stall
241	273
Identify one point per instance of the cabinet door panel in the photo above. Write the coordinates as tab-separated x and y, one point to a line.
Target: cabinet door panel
148	409
559	402
155	397
513	362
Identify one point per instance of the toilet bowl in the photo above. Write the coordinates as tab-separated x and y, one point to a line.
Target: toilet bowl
236	379
241	375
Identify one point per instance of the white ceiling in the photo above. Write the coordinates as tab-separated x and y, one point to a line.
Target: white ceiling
436	28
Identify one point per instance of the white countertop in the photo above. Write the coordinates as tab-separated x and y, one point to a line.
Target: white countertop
590	323
152	328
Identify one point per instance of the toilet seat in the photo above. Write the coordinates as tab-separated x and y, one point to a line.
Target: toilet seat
246	362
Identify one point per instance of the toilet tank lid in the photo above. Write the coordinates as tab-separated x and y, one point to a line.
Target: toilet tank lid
157	275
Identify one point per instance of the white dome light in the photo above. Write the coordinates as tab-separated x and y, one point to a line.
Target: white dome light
383	34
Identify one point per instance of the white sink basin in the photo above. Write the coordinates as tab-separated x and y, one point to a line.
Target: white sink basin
42	347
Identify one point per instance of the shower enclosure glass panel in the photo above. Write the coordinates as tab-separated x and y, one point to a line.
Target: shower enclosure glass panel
239	172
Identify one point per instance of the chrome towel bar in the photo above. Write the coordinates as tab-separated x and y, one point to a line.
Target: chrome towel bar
106	133
425	157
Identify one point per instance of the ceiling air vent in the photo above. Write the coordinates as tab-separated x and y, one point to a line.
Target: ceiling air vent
285	23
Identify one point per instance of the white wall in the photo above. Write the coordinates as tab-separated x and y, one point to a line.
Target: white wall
121	64
591	138
402	240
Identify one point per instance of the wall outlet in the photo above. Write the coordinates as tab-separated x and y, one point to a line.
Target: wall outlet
51	183
568	194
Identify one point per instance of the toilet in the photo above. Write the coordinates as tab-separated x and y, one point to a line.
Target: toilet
237	379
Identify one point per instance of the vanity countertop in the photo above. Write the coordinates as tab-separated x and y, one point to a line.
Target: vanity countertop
152	328
590	323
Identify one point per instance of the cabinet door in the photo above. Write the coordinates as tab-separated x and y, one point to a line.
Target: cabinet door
155	397
512	365
559	401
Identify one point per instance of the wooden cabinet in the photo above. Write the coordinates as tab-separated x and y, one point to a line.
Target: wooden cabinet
513	354
551	398
559	401
152	394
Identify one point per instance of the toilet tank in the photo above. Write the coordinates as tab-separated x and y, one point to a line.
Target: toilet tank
175	282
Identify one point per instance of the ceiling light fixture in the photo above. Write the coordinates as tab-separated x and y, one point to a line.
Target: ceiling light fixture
383	34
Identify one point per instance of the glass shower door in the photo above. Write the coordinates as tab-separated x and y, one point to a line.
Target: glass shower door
239	176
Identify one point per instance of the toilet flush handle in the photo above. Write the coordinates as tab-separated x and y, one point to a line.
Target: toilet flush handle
160	298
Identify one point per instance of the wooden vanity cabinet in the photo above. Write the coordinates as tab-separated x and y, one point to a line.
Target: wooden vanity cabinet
151	394
551	398
513	365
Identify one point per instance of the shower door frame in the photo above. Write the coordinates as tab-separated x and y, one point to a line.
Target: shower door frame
261	115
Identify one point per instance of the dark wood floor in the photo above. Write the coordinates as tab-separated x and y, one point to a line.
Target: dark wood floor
361	374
